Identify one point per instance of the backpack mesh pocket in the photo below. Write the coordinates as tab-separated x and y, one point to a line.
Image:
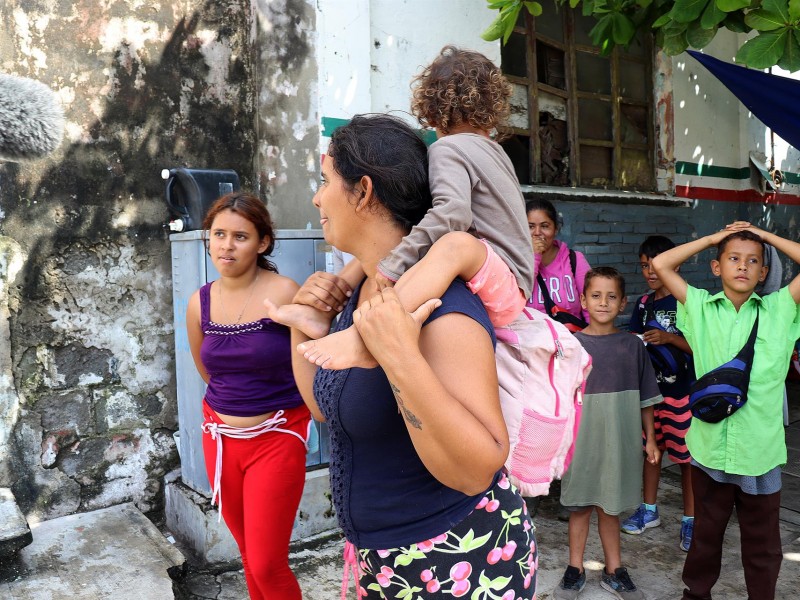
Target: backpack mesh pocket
539	440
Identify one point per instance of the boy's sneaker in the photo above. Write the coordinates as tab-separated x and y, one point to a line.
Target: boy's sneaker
620	585
640	520
687	529
571	584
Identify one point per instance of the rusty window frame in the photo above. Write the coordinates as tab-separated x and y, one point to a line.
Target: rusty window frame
526	27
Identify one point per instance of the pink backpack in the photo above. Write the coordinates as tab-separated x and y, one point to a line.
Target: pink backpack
542	370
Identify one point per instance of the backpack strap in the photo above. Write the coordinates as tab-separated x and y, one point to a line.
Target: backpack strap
573	262
549	305
747	351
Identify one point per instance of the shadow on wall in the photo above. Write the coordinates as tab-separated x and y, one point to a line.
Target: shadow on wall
91	326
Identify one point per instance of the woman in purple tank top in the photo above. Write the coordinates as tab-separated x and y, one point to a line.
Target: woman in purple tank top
417	443
253	410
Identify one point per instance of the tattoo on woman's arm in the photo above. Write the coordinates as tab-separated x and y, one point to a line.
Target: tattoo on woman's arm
409	416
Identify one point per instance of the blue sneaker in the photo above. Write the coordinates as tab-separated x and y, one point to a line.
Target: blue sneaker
687	530
620	585
640	520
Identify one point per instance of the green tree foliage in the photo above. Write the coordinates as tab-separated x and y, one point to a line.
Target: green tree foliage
679	24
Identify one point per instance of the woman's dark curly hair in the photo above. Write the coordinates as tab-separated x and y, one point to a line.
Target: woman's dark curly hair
460	86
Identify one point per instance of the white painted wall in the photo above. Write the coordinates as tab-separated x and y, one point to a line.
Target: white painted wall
369	50
712	127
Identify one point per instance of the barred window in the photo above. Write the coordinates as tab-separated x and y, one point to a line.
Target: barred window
578	118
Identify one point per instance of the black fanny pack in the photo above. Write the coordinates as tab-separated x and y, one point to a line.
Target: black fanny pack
722	391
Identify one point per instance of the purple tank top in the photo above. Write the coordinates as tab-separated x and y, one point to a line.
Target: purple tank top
249	365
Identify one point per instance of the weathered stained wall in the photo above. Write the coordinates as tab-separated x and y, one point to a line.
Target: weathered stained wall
87	399
287	116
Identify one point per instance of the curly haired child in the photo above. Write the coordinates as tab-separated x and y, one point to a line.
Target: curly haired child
476	229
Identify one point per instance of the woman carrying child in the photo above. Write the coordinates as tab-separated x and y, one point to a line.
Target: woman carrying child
475	229
418	442
252	407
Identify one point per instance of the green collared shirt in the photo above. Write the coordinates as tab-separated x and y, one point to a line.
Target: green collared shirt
752	440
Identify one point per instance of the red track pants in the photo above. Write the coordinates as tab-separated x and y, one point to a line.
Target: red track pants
261	484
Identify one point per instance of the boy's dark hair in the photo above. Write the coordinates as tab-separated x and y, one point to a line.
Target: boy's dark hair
606	273
740	235
393	156
547	207
655	245
460	86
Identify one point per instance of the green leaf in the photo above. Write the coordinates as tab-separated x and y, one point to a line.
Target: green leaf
674	42
780	7
698	37
499	4
763	20
712	16
498	583
662	20
534	8
402	560
403	594
601	31
644	3
587	9
735	22
476	543
790	61
494	31
732	5
686	11
509	20
794	10
764	50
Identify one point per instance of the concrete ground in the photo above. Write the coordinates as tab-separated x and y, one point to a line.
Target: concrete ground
116	553
654	560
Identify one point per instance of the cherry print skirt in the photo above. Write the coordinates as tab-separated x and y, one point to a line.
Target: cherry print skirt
492	552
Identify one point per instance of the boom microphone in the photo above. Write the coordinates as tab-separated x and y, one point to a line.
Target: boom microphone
31	119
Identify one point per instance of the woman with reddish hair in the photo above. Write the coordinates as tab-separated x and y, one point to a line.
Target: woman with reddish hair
256	424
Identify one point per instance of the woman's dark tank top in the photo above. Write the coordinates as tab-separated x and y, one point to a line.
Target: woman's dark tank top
249	365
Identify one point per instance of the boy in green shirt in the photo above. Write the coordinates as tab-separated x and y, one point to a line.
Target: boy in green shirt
737	461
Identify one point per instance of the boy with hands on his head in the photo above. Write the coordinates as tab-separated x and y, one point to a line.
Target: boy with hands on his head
737	461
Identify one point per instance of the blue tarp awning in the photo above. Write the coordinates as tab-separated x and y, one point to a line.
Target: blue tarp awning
773	99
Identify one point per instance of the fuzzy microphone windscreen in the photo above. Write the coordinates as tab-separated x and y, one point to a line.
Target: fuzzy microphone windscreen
31	119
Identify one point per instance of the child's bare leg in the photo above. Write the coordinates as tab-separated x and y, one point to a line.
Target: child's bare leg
651	475
314	323
578	534
686	487
608	528
455	254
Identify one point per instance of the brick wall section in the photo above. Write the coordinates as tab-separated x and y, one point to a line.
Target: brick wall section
609	234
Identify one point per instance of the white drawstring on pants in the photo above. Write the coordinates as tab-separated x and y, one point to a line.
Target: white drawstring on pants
217	430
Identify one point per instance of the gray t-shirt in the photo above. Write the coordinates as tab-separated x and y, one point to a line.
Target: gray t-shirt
474	189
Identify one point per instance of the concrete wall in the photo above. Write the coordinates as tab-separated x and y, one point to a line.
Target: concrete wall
87	398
